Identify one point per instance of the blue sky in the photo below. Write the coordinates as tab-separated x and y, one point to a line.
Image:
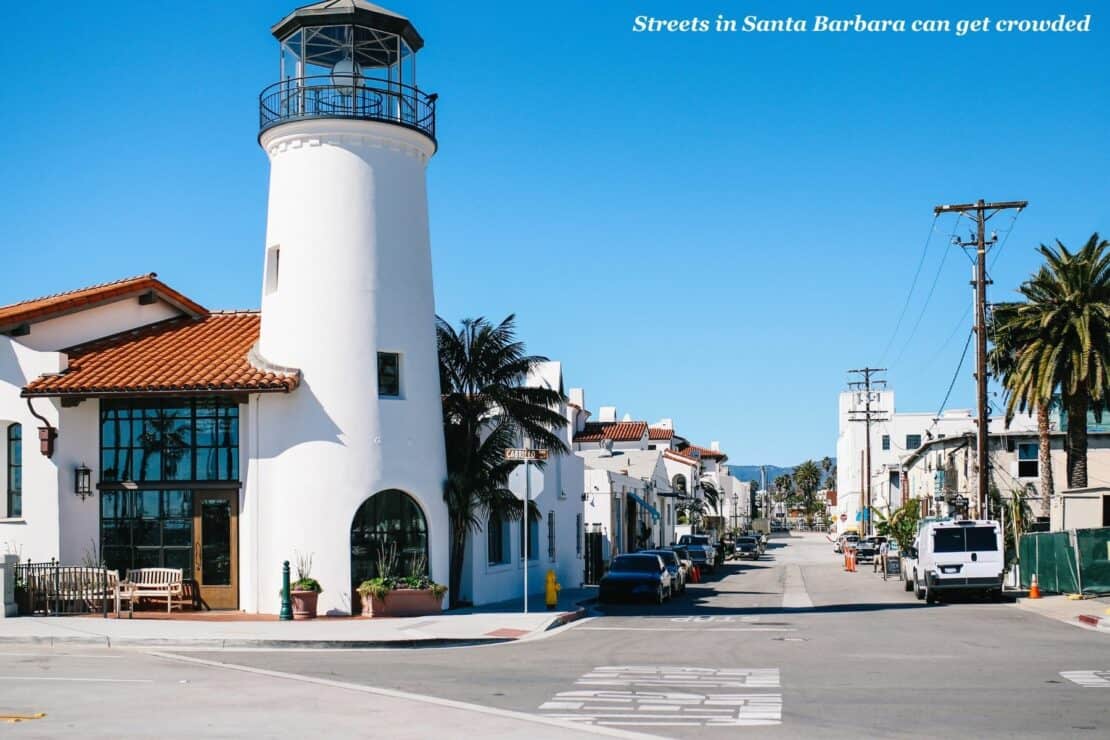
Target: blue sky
707	227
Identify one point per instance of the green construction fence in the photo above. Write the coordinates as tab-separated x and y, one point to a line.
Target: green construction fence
1071	562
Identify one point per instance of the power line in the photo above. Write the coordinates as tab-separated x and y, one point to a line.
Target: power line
955	375
928	297
913	286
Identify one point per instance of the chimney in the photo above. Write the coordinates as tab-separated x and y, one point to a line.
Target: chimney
627	417
664	424
578	397
715	446
607	414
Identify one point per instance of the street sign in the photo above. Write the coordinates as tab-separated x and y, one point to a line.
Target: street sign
521	454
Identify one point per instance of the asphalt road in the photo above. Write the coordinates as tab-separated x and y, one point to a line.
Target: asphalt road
854	656
790	646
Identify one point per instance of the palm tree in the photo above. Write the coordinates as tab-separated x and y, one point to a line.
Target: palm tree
487	408
694	511
711	494
1008	337
1066	320
807	478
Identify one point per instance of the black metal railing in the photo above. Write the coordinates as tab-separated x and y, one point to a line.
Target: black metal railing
362	99
52	589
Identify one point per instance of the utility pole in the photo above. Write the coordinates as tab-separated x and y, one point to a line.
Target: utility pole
869	415
981	212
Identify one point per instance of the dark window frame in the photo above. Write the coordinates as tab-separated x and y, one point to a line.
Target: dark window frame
214	419
886	442
1028	467
389	380
127	538
496	552
14	473
909	442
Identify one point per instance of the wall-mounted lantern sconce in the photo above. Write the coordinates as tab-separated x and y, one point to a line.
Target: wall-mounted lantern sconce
47	435
82	481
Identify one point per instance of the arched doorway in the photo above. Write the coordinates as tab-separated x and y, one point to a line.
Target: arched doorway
386	520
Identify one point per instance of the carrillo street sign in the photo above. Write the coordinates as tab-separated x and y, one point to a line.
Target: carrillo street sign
521	454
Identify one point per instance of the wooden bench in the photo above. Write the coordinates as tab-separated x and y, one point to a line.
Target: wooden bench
68	587
164	583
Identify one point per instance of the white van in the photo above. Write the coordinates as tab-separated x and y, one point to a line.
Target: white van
958	555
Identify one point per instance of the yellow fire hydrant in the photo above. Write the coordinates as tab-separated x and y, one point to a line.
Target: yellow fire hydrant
551	590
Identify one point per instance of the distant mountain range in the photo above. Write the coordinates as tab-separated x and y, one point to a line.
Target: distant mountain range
751	472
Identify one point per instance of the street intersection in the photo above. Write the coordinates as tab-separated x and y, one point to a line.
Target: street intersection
787	646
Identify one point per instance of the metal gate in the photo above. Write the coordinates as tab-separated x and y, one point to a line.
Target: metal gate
594	567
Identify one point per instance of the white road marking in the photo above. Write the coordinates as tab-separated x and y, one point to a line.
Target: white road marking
79	680
549	720
716	618
60	655
794	594
670	696
677	629
1089	679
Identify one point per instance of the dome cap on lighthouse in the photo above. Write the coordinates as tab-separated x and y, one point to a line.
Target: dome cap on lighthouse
349	12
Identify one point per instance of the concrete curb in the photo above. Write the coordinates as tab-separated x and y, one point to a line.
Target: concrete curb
568	617
238	643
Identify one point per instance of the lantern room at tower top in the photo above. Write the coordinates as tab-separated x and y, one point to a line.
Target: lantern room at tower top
347	59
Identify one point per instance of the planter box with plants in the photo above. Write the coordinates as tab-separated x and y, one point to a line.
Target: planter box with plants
389	595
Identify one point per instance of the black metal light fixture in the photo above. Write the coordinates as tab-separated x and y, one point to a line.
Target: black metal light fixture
82	481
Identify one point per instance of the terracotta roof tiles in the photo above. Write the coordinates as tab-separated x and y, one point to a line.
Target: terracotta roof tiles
181	355
660	433
621	431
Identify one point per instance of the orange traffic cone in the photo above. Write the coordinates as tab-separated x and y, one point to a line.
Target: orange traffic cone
695	575
1034	588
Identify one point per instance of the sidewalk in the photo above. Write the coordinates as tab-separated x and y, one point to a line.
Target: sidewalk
1091	613
501	622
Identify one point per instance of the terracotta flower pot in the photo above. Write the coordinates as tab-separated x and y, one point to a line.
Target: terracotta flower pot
304	604
403	602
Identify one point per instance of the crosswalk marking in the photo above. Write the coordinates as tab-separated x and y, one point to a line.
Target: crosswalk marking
1089	679
671	696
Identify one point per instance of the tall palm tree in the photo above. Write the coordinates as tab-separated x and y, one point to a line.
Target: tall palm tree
1008	337
1066	316
807	478
487	408
711	494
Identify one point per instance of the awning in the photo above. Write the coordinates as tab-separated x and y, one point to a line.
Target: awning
646	505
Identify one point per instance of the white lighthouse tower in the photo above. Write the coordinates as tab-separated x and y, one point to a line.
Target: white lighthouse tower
352	462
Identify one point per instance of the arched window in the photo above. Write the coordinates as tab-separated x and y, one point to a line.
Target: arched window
15	470
678	483
388	523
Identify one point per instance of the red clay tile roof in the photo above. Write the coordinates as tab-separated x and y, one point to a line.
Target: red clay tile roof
621	431
182	355
679	458
660	433
695	452
47	307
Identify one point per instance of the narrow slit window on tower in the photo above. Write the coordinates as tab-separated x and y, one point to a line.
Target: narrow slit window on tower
389	375
273	266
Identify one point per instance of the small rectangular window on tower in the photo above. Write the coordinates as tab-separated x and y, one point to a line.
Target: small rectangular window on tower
389	375
273	265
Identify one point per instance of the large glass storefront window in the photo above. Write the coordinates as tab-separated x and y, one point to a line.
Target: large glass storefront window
172	440
147	529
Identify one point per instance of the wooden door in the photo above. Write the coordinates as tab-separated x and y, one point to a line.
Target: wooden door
216	548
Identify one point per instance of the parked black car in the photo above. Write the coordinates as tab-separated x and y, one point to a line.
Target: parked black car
866	550
747	547
674	567
636	576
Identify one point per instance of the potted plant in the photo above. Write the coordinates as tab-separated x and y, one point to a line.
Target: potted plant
387	595
304	591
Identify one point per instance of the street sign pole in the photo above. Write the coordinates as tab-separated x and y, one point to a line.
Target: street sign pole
527	456
527	522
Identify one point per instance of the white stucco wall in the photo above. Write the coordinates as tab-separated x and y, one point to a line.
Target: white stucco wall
348	211
34	534
96	322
